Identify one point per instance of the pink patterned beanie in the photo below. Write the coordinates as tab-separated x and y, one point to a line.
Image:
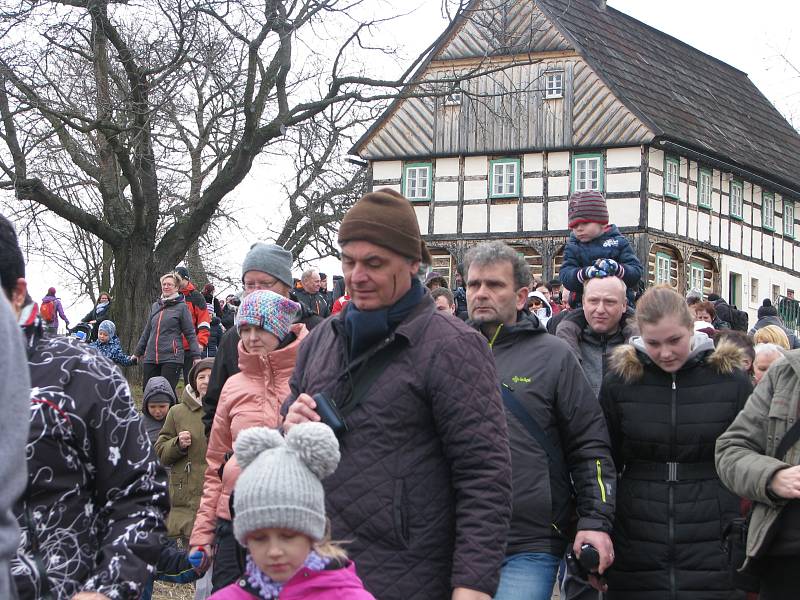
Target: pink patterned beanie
269	311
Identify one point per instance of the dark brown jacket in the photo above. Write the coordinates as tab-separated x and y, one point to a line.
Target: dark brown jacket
423	488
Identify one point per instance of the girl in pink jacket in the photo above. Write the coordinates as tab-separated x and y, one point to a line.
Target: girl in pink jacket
279	508
251	398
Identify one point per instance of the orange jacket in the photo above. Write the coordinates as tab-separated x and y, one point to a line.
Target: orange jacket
200	316
251	398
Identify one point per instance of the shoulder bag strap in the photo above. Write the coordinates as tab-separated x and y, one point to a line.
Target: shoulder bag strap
534	429
367	374
788	440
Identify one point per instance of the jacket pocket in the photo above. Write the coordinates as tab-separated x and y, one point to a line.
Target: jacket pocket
400	513
179	490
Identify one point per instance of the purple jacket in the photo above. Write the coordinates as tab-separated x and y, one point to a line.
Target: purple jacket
330	584
59	311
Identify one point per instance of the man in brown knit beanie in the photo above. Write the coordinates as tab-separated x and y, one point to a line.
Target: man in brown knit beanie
423	489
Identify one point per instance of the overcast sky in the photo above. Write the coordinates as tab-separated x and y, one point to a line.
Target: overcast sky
753	37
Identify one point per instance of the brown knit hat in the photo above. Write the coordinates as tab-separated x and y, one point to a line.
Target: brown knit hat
387	219
587	207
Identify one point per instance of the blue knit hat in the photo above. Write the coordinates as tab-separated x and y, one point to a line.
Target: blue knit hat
269	311
108	327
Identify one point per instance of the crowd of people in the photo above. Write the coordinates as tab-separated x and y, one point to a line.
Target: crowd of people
489	439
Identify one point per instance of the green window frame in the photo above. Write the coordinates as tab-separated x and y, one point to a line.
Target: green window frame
588	172
672	176
788	218
504	178
697	277
663	265
736	200
417	181
768	211
705	187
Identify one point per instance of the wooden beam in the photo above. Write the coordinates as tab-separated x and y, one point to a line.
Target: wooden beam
510	59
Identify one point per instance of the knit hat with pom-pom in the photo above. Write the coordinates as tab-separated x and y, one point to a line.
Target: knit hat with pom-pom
280	482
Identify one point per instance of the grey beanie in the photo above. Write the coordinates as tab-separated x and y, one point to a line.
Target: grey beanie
271	259
108	327
280	482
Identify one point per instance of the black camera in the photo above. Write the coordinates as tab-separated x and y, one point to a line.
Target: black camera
587	564
330	415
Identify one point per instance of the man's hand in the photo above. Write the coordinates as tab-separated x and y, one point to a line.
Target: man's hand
468	594
786	483
184	439
90	596
301	411
599	540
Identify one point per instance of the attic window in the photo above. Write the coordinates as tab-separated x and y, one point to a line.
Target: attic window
554	84
454	97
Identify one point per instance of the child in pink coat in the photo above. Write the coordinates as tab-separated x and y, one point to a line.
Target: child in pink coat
279	515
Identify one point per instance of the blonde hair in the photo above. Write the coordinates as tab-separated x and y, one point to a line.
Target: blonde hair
174	276
660	301
772	334
327	548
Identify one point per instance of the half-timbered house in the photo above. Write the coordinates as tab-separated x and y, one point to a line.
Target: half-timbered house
700	171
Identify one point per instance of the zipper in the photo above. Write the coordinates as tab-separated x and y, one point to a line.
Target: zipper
158	331
494	337
600	480
671	504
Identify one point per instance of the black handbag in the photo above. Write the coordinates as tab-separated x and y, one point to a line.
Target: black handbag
734	536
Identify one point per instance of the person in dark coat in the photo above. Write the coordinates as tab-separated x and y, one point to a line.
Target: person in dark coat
669	396
265	267
423	489
214	338
98	314
768	315
228	316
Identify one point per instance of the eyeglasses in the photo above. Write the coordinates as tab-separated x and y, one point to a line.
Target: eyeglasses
260	285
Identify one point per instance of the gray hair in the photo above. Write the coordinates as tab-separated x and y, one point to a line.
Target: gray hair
769	349
488	253
308	273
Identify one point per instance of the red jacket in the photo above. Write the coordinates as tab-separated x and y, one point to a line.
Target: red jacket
200	317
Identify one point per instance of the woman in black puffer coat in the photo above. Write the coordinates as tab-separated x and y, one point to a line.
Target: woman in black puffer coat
667	398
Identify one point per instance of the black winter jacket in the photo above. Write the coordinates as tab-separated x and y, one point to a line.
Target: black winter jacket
423	488
667	537
547	380
96	492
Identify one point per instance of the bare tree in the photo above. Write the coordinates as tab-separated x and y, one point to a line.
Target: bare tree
132	122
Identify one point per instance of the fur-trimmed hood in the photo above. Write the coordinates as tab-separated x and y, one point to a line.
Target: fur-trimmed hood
629	360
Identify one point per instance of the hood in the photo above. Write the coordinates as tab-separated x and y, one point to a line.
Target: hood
49	298
793	358
255	365
545	302
527	324
628	361
157	385
769	320
176	299
190	400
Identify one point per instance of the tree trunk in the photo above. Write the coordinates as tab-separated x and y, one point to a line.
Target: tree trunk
194	262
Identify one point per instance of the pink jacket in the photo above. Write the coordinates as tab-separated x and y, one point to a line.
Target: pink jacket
335	584
251	398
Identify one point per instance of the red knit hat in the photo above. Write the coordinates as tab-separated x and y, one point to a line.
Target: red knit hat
587	207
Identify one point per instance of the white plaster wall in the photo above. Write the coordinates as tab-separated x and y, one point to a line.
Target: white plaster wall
532	217
654	216
624	212
387	169
656	160
670	218
692	224
476	165
683	219
476	190
474	220
757	245
623	157
557	215
787	254
447	167
382	186
503	218
715	230
558	186
703	227
766	245
445	190
445	219
655	184
422	218
747	233
736	237
724	241
533	187
533	162
558	161
623	182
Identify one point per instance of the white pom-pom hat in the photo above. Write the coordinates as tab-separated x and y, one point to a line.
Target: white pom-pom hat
280	482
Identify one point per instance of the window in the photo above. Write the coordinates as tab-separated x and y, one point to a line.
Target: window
587	172
454	97
504	178
734	289
753	291
442	264
768	212
736	199
697	277
554	84
776	293
788	218
663	268
672	177
417	181
704	189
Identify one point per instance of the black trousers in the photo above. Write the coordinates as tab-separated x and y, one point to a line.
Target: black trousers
188	362
779	577
170	371
229	557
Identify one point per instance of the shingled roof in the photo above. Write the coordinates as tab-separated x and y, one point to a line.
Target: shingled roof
683	94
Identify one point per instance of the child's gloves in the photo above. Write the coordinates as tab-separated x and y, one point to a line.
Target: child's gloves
609	265
589	272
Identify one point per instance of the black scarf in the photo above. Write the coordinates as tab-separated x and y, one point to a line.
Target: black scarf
365	328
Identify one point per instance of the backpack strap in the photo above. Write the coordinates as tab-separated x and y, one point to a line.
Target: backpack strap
368	373
788	440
